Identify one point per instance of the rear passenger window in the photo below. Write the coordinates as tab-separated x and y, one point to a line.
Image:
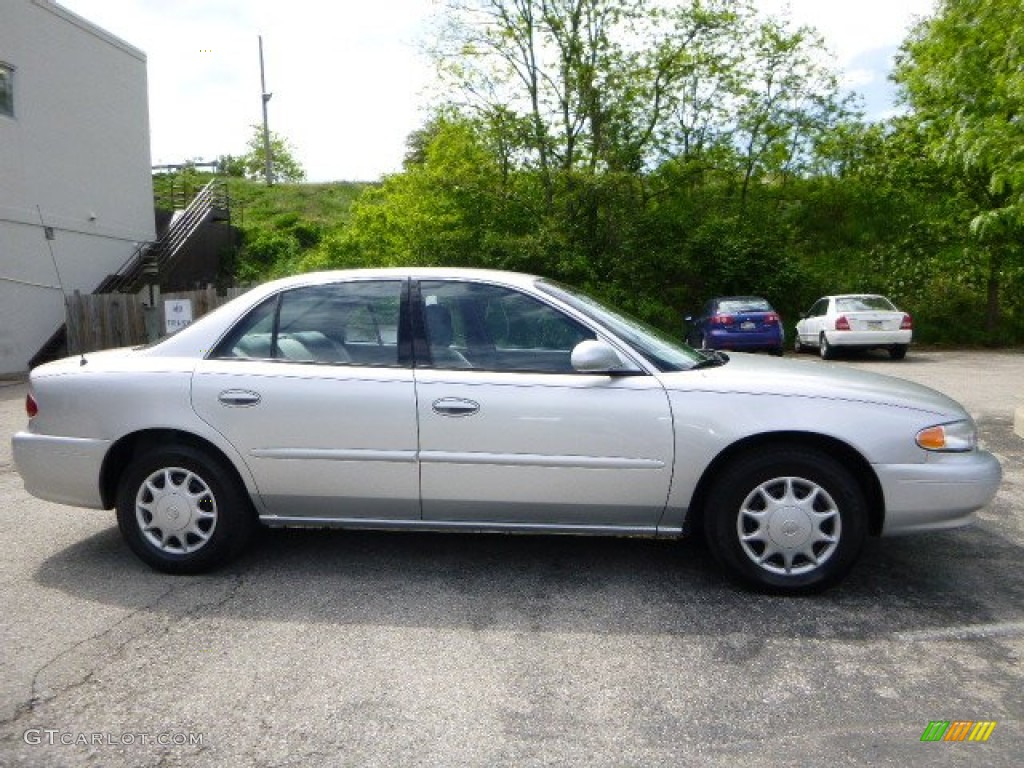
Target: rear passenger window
352	323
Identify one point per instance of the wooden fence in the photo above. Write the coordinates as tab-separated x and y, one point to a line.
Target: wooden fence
108	320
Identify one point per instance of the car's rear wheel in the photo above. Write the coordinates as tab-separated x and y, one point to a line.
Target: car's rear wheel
798	347
788	520
826	350
898	351
182	511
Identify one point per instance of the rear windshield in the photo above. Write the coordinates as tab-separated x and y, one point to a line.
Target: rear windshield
864	304
749	304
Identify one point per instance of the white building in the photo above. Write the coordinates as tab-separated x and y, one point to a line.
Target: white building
74	164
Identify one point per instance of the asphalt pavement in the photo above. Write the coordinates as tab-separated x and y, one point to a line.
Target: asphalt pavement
326	648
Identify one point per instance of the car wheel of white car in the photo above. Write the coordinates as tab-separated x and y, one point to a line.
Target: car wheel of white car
788	521
898	351
797	346
181	511
825	349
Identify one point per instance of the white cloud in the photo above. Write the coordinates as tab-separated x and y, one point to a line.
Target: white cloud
347	77
857	78
851	28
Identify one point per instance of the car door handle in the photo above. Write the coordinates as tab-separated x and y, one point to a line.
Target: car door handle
239	397
455	406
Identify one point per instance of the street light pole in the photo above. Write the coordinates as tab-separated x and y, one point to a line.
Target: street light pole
266	130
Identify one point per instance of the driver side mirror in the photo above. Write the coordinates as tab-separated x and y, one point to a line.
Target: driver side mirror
593	356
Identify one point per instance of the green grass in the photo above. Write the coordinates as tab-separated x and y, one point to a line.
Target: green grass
255	206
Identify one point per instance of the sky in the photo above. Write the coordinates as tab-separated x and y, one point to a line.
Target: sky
349	79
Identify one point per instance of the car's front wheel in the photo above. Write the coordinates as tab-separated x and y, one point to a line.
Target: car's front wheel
182	511
789	520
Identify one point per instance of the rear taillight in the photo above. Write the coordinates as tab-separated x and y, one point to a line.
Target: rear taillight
842	324
771	319
722	320
31	407
907	324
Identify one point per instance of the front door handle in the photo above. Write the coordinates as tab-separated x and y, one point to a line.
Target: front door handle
239	397
455	406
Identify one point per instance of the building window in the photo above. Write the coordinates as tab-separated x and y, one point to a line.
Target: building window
6	89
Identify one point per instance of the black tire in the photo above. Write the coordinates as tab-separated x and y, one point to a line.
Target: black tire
778	351
826	350
207	517
898	351
809	502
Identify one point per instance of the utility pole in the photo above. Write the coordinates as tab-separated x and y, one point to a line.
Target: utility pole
266	129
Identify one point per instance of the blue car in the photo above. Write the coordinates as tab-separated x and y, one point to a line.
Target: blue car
741	323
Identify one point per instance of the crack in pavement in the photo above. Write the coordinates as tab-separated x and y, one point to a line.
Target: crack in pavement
38	695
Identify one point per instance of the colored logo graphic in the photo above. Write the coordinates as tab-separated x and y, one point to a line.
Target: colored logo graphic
958	730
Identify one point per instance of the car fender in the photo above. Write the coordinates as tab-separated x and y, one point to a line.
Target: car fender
709	424
120	398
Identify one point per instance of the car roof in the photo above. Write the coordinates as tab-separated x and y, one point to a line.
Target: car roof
855	296
420	273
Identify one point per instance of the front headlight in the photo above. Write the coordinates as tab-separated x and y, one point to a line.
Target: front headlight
957	436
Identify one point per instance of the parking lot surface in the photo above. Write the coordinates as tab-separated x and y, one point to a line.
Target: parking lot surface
399	649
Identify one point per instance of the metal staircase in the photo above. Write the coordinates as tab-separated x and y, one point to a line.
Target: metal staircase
152	260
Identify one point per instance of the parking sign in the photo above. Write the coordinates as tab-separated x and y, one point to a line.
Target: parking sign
177	314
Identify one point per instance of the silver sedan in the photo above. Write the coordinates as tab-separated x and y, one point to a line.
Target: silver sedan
466	400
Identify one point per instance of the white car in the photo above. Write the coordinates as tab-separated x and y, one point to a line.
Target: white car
462	400
854	321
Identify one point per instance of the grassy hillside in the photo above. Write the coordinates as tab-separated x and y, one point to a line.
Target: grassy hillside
278	225
257	207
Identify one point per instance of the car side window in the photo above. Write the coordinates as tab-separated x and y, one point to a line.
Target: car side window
470	325
252	337
820	308
353	323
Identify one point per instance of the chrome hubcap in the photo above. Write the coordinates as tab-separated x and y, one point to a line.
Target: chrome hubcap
176	510
789	526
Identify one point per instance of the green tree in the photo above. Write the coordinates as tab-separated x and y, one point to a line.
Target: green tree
786	102
962	73
252	165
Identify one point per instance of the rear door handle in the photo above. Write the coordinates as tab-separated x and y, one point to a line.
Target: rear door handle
239	397
455	406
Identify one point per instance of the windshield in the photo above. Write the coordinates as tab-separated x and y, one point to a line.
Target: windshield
664	351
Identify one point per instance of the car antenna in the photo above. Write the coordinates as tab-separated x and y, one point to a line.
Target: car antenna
48	234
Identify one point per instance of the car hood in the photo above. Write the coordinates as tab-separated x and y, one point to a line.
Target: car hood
751	374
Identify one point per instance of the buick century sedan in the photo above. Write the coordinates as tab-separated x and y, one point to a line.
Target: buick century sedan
462	400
